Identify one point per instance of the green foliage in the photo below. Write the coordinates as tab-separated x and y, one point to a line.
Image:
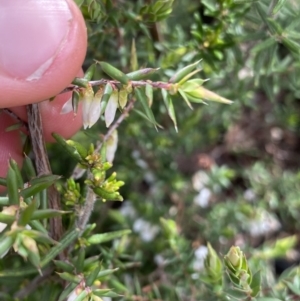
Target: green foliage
211	192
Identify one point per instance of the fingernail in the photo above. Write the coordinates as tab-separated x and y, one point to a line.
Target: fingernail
31	34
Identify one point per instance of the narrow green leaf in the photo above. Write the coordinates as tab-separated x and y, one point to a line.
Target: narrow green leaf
38	184
141	74
105	293
169	104
88	75
143	99
278	6
291	45
4	201
267	299
180	74
29	168
114	72
105	273
185	99
255	284
65	266
69	149
12	187
93	275
14	127
294	288
274	27
80	82
36	225
67	291
79	263
264	45
3	181
48	213
133	57
65	242
149	94
105	237
26	214
5	244
69	277
7	219
75	101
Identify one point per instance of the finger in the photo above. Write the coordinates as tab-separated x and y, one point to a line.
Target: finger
10	145
53	121
43	45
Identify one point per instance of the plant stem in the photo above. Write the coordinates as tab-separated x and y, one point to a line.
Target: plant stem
43	165
88	207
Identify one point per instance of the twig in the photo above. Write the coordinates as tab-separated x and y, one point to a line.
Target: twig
135	84
116	124
16	117
88	207
43	164
32	286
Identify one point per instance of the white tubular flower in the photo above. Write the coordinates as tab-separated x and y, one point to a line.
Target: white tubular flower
87	99
111	108
95	108
111	146
67	107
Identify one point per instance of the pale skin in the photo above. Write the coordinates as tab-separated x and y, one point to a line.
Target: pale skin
43	50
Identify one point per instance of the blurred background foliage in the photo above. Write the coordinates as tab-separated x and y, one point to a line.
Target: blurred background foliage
230	176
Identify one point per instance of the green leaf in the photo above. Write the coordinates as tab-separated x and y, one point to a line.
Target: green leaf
3	181
12	187
180	74
169	104
6	219
88	75
67	291
143	99
267	299
73	152
105	293
26	214
65	266
29	168
48	213
149	94
274	27
5	244
133	57
183	95
105	273
82	296
65	242
294	288
4	201
264	45
80	82
79	263
256	284
105	237
70	277
38	184
114	72
278	6
141	74
93	275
